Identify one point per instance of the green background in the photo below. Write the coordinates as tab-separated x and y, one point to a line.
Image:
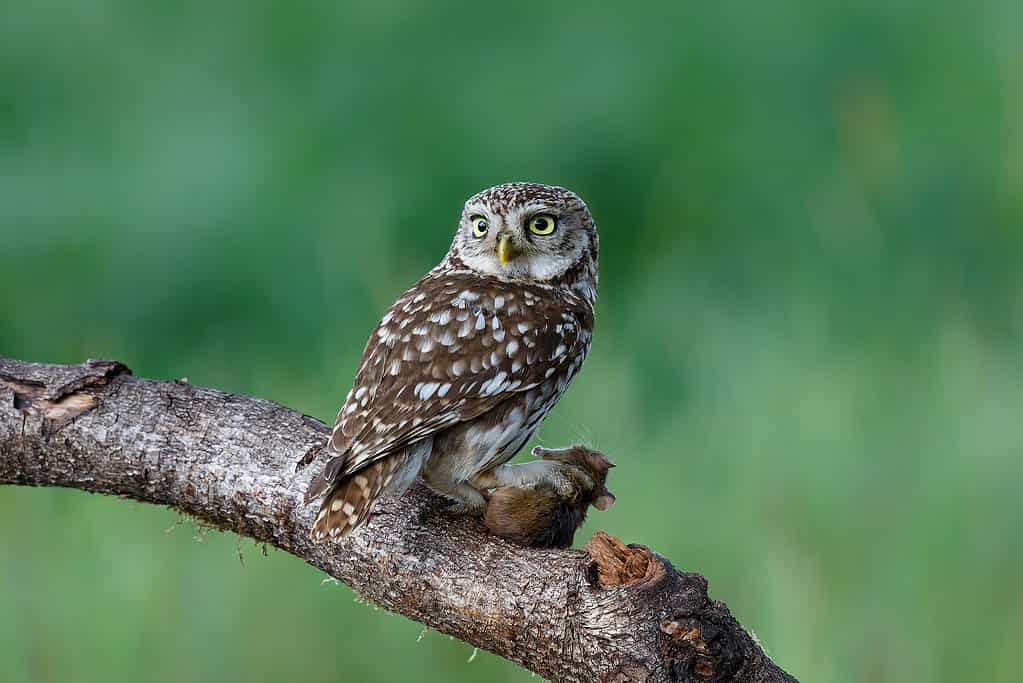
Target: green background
807	361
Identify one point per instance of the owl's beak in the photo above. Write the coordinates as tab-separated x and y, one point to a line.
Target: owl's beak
506	249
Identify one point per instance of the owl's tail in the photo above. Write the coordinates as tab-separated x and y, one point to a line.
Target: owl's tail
351	499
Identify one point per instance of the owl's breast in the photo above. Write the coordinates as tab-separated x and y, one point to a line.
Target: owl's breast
493	438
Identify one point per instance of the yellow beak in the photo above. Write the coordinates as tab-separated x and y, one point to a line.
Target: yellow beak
506	250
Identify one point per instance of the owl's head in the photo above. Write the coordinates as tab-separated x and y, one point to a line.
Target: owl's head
528	232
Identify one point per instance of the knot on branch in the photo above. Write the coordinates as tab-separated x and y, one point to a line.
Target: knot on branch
619	564
701	647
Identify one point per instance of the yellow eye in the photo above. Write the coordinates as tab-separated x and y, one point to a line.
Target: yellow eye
542	224
479	226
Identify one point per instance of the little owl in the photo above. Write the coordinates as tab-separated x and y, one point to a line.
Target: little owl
463	368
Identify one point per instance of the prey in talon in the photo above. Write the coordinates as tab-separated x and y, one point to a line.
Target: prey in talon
545	516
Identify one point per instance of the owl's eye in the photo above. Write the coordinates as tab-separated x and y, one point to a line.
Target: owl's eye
479	226
542	225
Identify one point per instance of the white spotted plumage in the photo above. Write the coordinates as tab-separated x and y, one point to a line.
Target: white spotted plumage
464	366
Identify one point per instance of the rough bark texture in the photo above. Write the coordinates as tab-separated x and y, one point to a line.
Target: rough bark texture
615	612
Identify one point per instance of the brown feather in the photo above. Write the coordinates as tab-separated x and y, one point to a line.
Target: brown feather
351	499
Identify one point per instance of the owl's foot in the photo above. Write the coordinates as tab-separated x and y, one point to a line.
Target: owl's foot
466	499
565	480
469	508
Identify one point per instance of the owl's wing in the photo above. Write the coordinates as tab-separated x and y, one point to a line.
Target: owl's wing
450	349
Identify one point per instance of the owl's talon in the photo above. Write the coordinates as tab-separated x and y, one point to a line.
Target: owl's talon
564	479
467	508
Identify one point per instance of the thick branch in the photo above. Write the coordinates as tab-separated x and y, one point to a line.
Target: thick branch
612	613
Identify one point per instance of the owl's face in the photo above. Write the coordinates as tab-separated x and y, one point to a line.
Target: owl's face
526	231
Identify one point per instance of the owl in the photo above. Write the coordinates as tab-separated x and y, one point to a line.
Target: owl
461	370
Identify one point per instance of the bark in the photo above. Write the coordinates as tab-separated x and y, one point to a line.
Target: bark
614	612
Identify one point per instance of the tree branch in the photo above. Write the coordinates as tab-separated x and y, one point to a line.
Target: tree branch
615	612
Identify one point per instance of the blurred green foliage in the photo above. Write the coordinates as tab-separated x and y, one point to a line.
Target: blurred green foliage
807	362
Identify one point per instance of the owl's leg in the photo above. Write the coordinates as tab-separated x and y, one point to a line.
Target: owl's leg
468	499
538	473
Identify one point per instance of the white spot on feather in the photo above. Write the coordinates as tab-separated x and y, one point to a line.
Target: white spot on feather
442	317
